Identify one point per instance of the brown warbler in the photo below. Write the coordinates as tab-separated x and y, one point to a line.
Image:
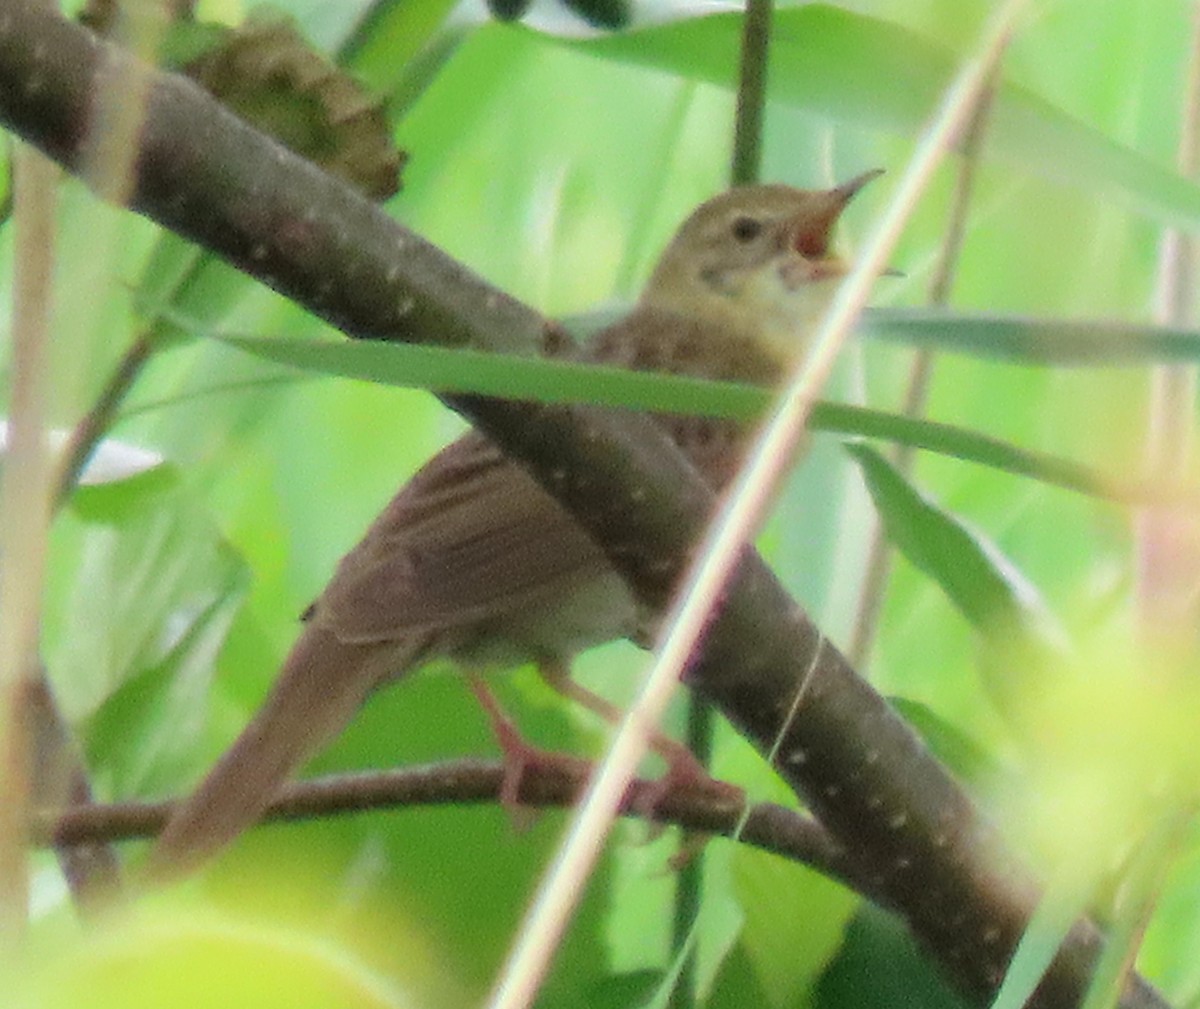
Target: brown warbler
472	559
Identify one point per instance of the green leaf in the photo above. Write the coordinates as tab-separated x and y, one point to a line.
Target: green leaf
881	967
878	75
555	381
794	922
1023	641
953	747
609	14
130	596
620	991
116	500
176	956
144	735
1034	340
547	381
1061	905
397	48
985	586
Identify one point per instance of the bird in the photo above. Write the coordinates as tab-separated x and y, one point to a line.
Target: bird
473	561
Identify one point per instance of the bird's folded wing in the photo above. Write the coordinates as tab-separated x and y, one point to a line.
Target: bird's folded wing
471	538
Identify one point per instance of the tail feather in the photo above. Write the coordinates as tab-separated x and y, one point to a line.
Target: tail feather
323	683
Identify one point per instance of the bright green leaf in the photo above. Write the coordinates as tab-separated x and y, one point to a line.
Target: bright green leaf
877	75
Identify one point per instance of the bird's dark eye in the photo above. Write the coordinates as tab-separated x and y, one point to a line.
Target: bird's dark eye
746	229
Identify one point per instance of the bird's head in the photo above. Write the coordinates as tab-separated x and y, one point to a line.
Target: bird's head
758	259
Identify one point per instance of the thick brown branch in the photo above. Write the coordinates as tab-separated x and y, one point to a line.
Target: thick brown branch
206	175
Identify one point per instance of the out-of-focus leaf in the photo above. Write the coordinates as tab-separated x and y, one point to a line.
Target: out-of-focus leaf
1060	907
1031	340
1022	637
115	500
190	960
508	10
620	991
133	595
607	14
984	584
880	967
398	47
737	983
794	921
953	747
144	736
875	74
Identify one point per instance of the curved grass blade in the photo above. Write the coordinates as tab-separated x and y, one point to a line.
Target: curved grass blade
543	380
1027	339
984	585
441	370
1023	641
880	75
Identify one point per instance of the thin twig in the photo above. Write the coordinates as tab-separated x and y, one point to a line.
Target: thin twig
471	781
745	168
1167	557
751	93
916	396
116	120
24	520
86	434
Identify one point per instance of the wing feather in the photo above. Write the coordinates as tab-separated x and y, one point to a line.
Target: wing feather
469	539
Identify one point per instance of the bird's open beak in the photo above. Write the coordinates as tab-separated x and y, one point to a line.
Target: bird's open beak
813	231
848	190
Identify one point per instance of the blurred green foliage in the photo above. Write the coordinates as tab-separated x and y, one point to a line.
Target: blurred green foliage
556	167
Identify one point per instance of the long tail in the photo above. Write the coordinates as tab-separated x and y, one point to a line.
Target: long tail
323	683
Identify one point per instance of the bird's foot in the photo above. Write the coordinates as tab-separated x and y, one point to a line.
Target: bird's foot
684	774
520	756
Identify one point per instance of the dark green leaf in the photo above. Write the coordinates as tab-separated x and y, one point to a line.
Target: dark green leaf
880	967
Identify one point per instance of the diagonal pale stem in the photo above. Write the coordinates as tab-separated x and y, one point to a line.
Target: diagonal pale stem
521	976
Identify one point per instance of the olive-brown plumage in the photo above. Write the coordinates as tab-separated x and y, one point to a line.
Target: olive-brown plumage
472	559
